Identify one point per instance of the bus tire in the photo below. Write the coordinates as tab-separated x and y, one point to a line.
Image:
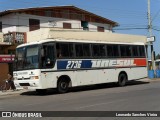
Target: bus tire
41	91
62	85
122	79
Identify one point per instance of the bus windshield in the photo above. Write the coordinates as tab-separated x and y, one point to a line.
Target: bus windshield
27	57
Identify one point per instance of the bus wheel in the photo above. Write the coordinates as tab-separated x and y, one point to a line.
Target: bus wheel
122	79
41	91
63	85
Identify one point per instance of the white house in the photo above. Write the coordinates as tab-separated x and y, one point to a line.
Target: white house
66	17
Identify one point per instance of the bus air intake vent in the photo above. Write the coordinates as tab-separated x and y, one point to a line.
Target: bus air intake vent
24	84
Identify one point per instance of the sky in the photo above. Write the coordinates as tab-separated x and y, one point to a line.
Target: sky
130	14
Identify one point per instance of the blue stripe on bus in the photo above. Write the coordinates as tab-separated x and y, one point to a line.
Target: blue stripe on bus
87	64
61	64
67	64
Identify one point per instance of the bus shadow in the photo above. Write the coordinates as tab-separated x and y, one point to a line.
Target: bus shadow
34	93
106	86
84	88
136	82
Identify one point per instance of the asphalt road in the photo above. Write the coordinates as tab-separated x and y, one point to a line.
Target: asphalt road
136	96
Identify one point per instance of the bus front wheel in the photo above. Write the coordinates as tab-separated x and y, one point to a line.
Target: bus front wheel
62	86
122	79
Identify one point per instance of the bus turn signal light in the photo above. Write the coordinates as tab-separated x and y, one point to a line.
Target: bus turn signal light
35	77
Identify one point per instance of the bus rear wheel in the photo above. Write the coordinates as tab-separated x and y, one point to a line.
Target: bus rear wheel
122	79
63	86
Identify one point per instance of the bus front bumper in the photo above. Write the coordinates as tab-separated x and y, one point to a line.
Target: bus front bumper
32	84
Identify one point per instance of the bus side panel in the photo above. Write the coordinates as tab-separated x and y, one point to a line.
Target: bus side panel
108	75
86	77
48	79
51	78
89	77
137	73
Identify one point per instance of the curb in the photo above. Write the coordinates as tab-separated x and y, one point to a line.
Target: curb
9	92
153	79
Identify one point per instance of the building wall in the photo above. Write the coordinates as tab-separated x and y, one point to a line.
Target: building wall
4	67
3	72
9	23
93	27
16	22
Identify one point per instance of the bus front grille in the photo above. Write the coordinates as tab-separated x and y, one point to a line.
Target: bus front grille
23	78
24	84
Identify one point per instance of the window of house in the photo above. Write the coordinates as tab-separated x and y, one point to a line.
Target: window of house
2	50
65	14
34	24
67	25
37	13
100	29
84	24
0	26
48	13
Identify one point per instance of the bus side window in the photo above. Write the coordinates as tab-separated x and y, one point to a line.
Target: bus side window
47	56
43	56
59	54
79	50
58	50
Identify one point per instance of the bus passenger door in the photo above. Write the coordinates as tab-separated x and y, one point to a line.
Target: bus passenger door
47	63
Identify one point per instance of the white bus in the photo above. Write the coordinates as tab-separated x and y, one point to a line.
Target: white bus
62	64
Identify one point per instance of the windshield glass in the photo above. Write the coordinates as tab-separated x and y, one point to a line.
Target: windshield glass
31	57
27	57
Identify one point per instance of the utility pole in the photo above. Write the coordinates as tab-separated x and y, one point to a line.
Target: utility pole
150	34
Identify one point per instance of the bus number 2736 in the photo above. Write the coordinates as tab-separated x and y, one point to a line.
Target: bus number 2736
73	64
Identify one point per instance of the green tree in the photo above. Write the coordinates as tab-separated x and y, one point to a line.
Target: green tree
158	56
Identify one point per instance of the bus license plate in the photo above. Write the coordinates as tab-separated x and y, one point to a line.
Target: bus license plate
25	87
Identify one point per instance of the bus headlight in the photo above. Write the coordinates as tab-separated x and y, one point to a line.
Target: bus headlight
17	85
33	85
14	74
35	77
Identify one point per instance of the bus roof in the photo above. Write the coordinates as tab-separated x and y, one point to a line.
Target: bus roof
83	35
77	41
